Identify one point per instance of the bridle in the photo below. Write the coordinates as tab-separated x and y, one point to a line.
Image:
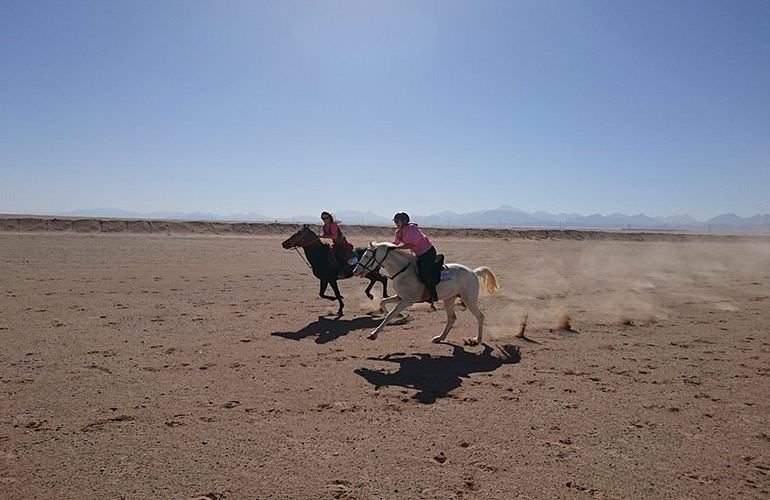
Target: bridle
296	249
378	264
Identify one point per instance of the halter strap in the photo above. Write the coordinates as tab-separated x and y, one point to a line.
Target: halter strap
370	269
368	265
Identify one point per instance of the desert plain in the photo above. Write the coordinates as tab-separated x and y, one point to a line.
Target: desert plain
192	365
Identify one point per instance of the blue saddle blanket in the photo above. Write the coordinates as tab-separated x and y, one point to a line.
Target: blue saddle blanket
447	274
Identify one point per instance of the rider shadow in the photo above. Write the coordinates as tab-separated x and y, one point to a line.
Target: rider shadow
435	377
327	329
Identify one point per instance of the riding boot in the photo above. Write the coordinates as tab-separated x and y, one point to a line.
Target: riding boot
432	294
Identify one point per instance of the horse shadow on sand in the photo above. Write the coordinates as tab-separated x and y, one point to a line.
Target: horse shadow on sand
434	377
327	329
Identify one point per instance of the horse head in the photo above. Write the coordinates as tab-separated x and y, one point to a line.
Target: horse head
301	238
372	259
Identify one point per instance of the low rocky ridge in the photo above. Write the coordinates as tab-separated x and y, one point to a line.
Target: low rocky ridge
27	224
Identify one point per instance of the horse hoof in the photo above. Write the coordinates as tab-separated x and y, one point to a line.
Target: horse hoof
471	342
372	336
371	297
436	340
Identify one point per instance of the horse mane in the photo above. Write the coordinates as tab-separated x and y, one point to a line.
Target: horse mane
306	227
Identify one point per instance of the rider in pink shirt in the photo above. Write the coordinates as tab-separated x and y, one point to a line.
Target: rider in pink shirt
412	238
408	235
340	245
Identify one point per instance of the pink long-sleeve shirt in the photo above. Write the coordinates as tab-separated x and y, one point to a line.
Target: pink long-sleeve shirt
411	236
331	230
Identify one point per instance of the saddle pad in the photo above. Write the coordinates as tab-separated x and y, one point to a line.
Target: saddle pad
446	274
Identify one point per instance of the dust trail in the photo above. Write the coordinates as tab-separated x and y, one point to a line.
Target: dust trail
633	308
563	321
523	326
371	306
499	322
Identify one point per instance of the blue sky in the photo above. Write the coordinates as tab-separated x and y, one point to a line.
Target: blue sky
292	107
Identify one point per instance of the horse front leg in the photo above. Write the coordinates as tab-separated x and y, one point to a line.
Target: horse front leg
384	282
336	289
369	289
322	291
400	307
388	300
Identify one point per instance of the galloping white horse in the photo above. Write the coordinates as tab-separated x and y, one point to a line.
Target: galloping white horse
402	270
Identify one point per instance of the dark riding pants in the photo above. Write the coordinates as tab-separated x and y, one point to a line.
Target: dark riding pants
425	263
338	254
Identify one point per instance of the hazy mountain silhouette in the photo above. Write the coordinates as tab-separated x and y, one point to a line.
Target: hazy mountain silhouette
504	216
125	214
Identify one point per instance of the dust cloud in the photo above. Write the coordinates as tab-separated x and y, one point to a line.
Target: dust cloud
625	283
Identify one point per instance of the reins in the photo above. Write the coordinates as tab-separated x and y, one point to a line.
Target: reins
303	258
401	271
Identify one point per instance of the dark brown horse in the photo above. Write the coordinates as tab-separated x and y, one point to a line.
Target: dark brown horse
319	256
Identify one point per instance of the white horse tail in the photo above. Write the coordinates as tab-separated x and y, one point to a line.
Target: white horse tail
488	278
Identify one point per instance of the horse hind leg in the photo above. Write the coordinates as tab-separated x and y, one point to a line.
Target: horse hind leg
449	307
473	307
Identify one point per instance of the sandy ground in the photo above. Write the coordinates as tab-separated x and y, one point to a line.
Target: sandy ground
157	366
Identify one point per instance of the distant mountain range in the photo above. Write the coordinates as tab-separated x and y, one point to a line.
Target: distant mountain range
504	216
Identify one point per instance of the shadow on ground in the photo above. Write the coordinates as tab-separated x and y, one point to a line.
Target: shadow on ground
434	377
326	329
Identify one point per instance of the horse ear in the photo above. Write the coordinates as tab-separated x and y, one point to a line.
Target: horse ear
304	226
371	244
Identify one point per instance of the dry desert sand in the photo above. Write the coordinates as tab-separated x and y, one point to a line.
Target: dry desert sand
180	363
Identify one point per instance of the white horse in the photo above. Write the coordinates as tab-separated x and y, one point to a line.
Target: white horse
402	270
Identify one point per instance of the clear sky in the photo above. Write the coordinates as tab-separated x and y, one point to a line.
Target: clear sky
288	107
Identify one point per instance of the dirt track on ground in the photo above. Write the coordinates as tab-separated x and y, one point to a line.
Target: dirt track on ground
181	366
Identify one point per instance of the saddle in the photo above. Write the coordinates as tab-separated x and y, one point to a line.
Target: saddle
439	273
343	266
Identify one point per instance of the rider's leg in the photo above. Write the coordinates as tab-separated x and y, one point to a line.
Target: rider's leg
425	263
340	249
